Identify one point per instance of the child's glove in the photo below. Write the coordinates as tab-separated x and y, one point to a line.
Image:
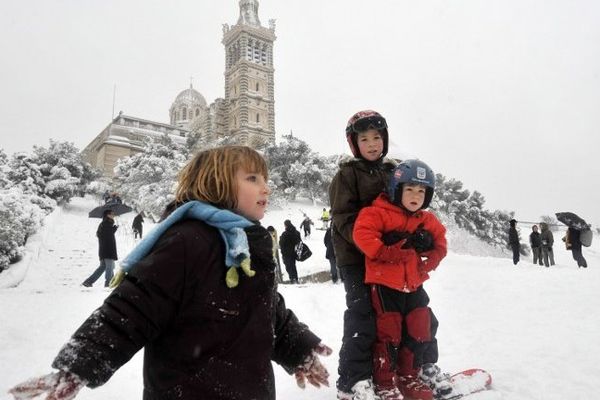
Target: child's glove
395	253
312	370
392	237
60	385
421	240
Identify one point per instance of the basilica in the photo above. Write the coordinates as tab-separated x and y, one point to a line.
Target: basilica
246	114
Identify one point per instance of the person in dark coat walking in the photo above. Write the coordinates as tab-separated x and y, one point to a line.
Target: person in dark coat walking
137	225
513	241
535	241
330	255
107	250
305	226
287	244
573	243
208	331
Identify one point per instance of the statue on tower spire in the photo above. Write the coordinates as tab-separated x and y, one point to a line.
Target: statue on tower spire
249	13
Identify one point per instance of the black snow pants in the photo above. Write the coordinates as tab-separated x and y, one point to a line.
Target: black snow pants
356	354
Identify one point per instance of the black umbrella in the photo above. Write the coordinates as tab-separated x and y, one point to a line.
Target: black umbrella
572	220
117	208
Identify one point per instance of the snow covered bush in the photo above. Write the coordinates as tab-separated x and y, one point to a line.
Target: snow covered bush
146	180
20	218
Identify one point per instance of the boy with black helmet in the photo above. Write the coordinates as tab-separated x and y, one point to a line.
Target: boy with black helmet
357	183
402	243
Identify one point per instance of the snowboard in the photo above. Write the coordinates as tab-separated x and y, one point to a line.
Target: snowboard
468	382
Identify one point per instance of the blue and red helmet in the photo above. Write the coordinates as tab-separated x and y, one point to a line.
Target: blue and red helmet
415	172
363	121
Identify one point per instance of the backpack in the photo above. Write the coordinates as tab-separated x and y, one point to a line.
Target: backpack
586	237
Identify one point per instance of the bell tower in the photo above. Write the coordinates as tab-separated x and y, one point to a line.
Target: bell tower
249	103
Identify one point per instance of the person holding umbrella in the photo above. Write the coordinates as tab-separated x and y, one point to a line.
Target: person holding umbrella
107	249
573	242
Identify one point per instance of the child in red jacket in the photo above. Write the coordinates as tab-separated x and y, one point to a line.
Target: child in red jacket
402	244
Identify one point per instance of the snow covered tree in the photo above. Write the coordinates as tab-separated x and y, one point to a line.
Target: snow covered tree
551	221
63	170
298	171
20	218
146	180
4	182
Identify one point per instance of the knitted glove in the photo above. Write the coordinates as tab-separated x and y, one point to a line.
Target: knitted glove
311	370
395	253
60	385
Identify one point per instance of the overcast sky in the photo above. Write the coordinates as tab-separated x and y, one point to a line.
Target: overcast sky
503	95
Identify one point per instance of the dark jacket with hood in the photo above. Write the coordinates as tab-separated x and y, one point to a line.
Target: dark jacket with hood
107	246
535	239
546	237
201	339
288	241
356	185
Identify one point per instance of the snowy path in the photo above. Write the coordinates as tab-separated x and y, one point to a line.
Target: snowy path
535	329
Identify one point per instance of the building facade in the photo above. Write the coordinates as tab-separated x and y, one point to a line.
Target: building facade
246	115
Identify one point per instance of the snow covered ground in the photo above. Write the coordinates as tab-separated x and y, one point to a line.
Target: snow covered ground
535	329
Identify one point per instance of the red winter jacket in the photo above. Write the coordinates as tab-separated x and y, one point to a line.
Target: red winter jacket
406	273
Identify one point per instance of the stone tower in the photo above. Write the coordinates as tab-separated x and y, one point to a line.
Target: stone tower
249	114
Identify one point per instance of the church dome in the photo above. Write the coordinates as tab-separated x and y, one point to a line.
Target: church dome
190	97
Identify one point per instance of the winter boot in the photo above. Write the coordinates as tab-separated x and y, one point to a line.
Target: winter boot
362	390
388	393
412	387
438	381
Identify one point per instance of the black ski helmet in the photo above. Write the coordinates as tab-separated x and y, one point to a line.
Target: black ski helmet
363	121
411	171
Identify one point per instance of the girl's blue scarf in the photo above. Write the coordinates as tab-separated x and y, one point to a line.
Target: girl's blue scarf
229	224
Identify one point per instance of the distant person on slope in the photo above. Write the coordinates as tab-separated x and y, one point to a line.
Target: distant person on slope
288	241
305	226
535	241
403	243
356	184
137	225
573	243
107	250
547	243
199	296
513	241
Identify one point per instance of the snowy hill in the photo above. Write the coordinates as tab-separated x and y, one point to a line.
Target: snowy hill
535	329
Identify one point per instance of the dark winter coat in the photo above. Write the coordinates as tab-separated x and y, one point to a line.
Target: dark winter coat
546	236
288	241
356	185
573	237
201	339
107	245
535	239
329	252
137	223
513	236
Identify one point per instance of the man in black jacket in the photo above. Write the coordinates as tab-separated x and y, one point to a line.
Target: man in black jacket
513	241
107	250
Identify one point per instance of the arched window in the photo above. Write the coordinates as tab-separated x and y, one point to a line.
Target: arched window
257	117
257	86
184	113
197	112
191	115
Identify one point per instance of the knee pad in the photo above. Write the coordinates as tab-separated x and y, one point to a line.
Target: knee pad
389	327
419	324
